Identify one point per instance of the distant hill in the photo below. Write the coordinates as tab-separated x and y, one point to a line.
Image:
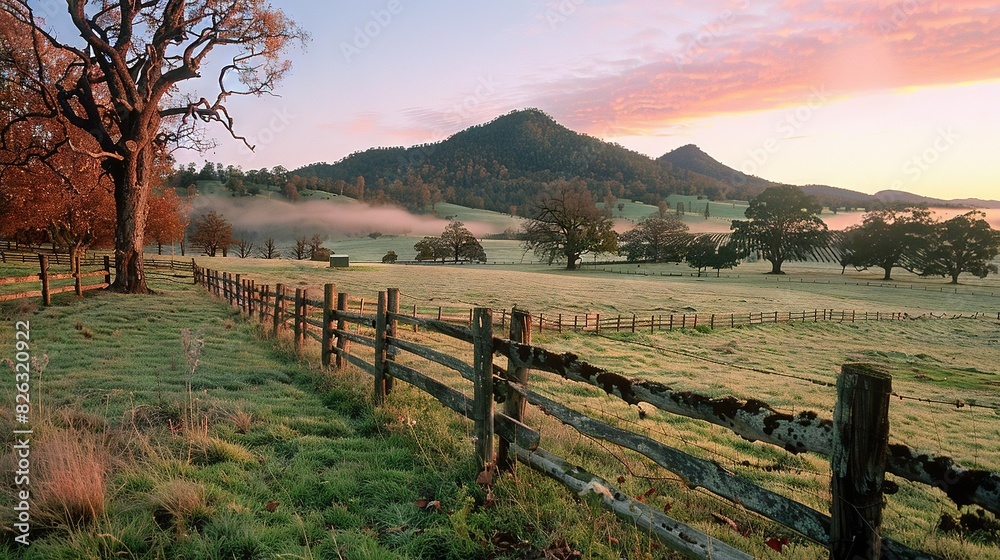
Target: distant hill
738	185
500	166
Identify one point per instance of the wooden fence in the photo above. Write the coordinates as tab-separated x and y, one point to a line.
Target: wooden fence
45	279
855	438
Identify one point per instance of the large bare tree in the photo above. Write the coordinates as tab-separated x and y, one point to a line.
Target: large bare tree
119	83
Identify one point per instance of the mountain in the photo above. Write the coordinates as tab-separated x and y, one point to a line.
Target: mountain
692	158
501	164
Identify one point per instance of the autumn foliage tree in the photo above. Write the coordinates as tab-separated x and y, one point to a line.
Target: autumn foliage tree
213	233
118	84
167	219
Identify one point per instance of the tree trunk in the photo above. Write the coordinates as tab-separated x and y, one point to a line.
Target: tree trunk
954	277
888	271
571	261
776	266
131	199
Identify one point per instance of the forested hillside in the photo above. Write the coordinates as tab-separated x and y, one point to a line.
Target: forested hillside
500	165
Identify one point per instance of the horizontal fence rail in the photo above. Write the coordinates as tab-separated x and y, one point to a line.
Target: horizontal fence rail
45	278
337	328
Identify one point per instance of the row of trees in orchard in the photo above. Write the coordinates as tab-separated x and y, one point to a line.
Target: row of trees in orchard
782	225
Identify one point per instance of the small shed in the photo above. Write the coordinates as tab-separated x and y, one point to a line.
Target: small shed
340	261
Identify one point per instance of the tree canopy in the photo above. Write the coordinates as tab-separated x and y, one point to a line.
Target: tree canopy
657	239
782	224
118	85
704	253
213	233
565	223
965	243
887	237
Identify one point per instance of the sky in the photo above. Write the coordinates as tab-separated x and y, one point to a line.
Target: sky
860	94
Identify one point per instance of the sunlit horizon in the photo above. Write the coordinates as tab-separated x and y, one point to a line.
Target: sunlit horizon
855	94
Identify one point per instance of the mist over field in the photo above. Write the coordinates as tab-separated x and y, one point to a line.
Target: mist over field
284	220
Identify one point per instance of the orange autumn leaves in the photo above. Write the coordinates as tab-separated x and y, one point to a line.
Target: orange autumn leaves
52	189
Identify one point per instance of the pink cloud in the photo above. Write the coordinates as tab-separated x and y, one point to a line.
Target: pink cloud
743	62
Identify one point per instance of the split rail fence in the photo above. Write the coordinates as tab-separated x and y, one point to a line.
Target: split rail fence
45	278
855	438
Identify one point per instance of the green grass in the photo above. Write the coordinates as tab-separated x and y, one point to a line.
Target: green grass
201	457
346	478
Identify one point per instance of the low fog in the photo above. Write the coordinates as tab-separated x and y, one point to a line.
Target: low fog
284	221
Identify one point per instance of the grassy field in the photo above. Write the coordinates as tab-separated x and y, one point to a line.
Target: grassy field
200	455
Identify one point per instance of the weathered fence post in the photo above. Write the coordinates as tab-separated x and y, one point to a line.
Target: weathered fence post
237	292
279	302
107	270
303	315
858	457
343	345
77	279
380	350
482	363
392	306
296	321
265	298
43	275
329	301
520	332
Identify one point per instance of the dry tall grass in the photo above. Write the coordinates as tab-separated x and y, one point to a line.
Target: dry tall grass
72	468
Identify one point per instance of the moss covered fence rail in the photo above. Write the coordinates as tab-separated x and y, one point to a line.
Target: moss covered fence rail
855	438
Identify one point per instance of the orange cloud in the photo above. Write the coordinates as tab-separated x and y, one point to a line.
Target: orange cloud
746	63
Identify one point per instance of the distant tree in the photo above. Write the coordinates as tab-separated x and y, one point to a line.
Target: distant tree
431	249
269	250
236	186
207	172
244	247
781	225
662	207
300	251
655	239
213	233
291	192
965	243
886	238
167	219
461	243
708	213
390	257
609	201
680	208
375	234
621	208
704	253
315	245
564	222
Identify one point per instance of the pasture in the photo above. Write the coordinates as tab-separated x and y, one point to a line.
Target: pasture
115	359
